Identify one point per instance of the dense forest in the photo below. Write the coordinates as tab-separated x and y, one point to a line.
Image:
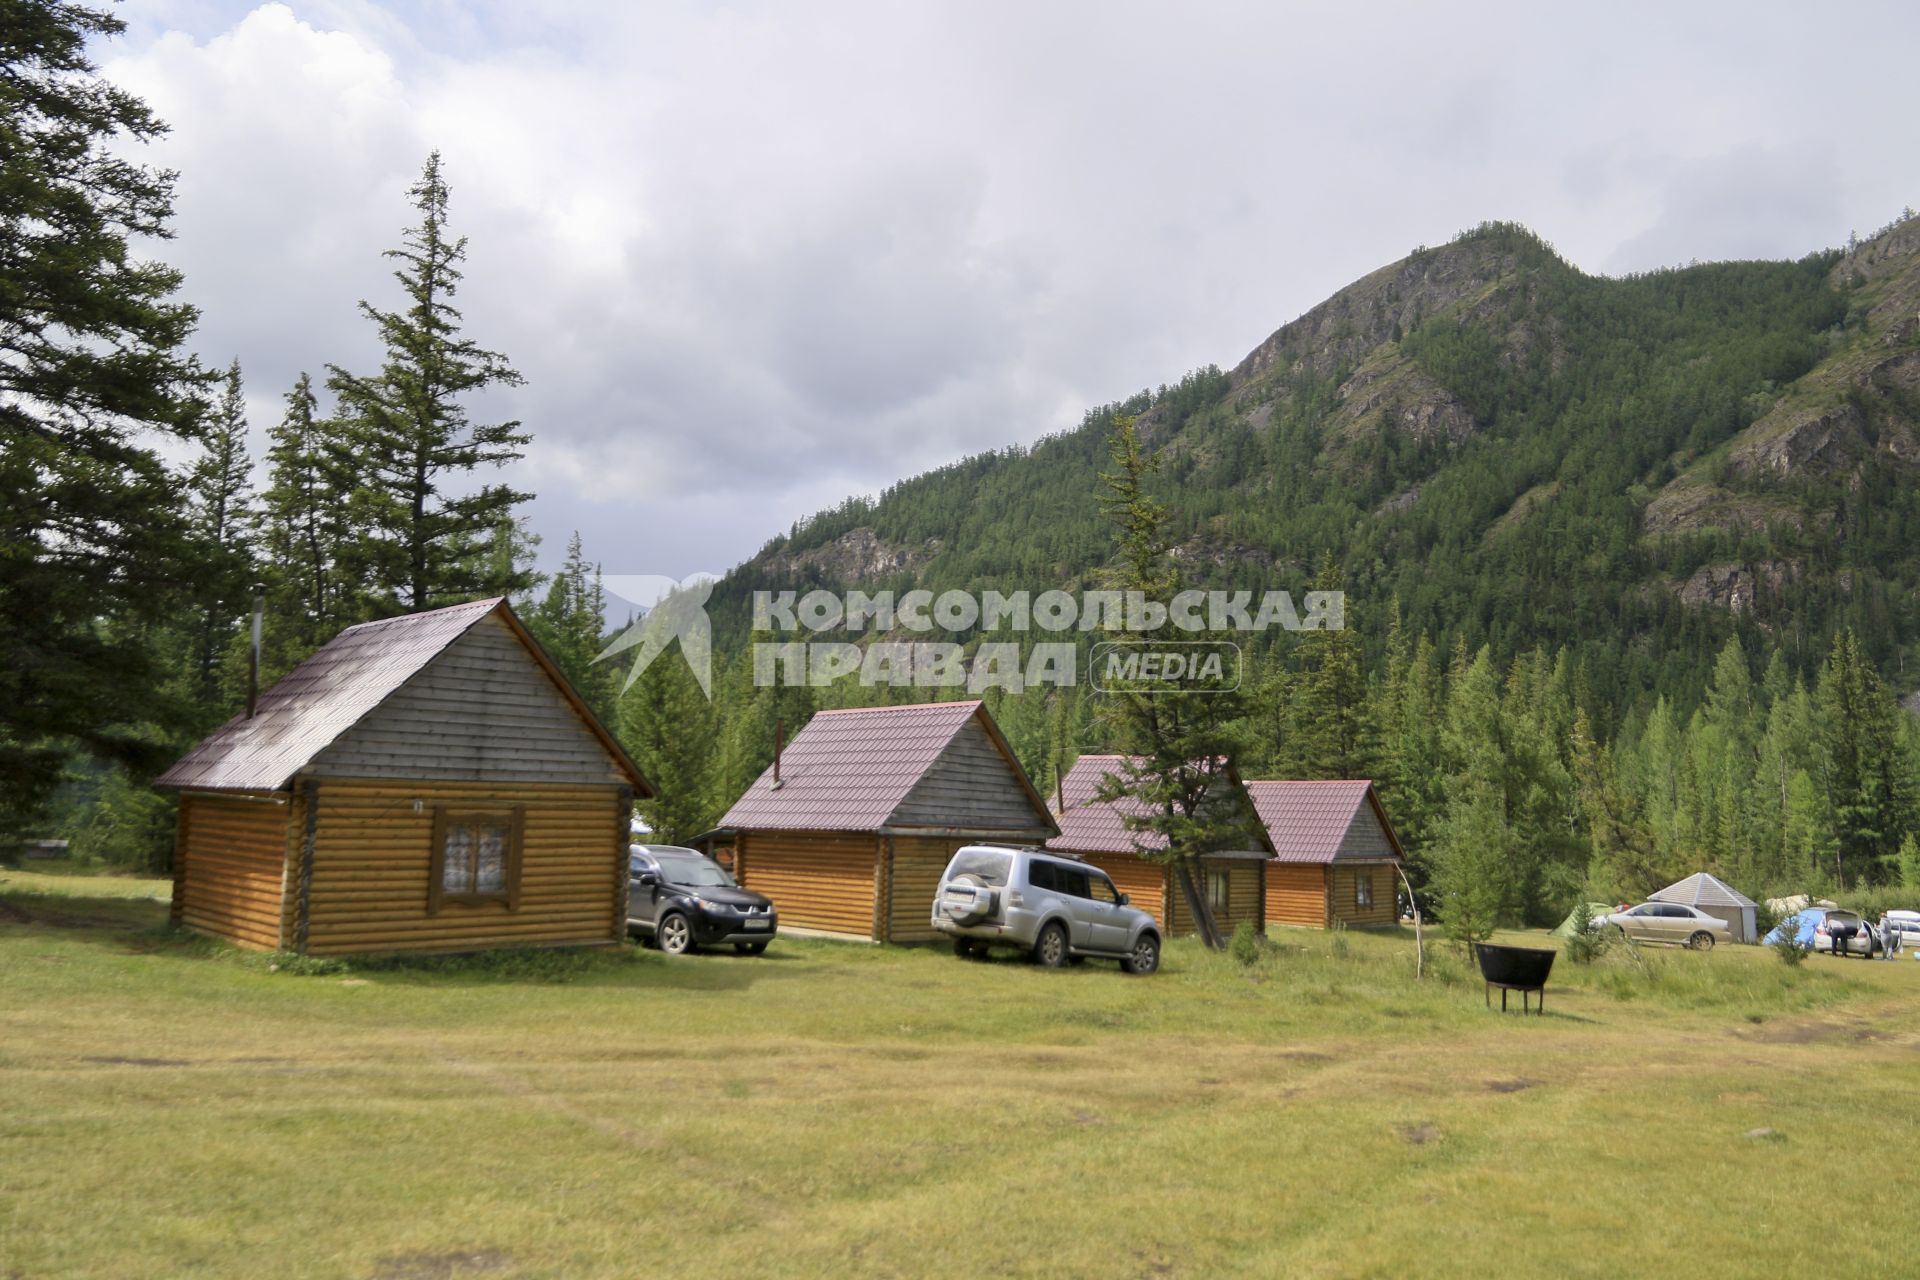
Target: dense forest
1630	563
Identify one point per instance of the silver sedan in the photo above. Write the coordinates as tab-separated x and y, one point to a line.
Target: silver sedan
1667	922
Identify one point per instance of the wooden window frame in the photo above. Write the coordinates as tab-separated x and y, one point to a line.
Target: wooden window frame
1362	888
1226	889
447	817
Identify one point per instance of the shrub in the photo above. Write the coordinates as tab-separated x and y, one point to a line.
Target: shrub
1585	944
1245	945
1788	946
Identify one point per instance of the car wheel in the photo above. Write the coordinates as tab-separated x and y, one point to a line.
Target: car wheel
1145	956
968	949
675	934
749	948
1702	941
1050	948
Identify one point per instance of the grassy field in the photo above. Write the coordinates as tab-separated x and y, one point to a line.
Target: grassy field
172	1108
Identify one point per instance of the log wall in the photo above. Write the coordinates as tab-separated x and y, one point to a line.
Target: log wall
1341	895
230	866
373	853
1297	894
817	880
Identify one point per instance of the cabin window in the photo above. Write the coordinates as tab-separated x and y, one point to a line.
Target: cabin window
1217	884
1363	888
476	857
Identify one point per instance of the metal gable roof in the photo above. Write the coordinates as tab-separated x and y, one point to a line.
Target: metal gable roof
1703	890
850	769
1091	825
319	700
1313	821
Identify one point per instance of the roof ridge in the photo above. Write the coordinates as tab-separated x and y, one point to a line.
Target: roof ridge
492	603
899	706
1309	782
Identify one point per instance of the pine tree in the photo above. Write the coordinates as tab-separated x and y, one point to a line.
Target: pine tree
430	538
1179	740
1909	863
1864	775
303	529
95	547
571	624
665	723
1471	873
1330	732
221	490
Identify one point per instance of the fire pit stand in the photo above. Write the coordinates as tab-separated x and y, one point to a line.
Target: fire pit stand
1522	969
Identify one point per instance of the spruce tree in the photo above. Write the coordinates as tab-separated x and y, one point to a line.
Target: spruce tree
571	624
221	491
666	725
304	528
431	534
1178	740
96	551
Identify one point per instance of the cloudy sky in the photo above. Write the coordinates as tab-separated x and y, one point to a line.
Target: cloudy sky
753	258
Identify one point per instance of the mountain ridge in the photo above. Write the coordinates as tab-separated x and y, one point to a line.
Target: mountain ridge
1519	452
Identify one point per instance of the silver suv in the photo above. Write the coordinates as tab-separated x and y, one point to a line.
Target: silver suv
1052	905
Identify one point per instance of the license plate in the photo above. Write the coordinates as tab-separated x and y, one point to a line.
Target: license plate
759	924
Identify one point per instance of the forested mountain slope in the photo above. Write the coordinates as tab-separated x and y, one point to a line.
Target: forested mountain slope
1523	454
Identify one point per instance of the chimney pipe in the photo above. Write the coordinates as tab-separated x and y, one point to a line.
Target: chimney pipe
253	656
779	741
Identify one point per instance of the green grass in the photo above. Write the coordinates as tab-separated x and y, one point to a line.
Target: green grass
169	1107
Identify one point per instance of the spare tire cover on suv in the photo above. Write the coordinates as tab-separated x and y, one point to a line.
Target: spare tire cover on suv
967	899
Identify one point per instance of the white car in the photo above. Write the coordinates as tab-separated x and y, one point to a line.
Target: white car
1845	933
1667	922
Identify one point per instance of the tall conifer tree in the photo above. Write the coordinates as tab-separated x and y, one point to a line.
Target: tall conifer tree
430	531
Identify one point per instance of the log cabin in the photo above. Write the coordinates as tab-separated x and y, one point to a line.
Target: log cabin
850	828
1096	831
1336	857
421	783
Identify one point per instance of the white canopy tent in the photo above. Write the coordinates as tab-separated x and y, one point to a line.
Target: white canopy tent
1717	898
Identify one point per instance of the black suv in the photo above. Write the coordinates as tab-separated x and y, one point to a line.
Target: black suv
682	899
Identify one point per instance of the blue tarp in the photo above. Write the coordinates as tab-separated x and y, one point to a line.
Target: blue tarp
1804	921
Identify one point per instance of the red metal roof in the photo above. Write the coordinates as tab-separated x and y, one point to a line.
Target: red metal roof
1090	825
850	769
1321	821
312	705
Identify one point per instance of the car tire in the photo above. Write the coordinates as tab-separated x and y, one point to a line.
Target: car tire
1145	956
674	934
967	949
1701	941
1050	948
749	948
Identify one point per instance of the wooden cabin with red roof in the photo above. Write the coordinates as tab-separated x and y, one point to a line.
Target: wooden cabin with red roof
850	829
1096	832
422	783
1336	857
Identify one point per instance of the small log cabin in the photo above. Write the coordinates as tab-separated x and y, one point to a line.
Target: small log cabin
1234	882
849	831
1336	857
422	783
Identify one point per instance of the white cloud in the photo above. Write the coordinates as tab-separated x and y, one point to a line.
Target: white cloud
755	257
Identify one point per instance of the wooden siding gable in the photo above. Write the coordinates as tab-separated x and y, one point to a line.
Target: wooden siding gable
483	710
1367	838
973	785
